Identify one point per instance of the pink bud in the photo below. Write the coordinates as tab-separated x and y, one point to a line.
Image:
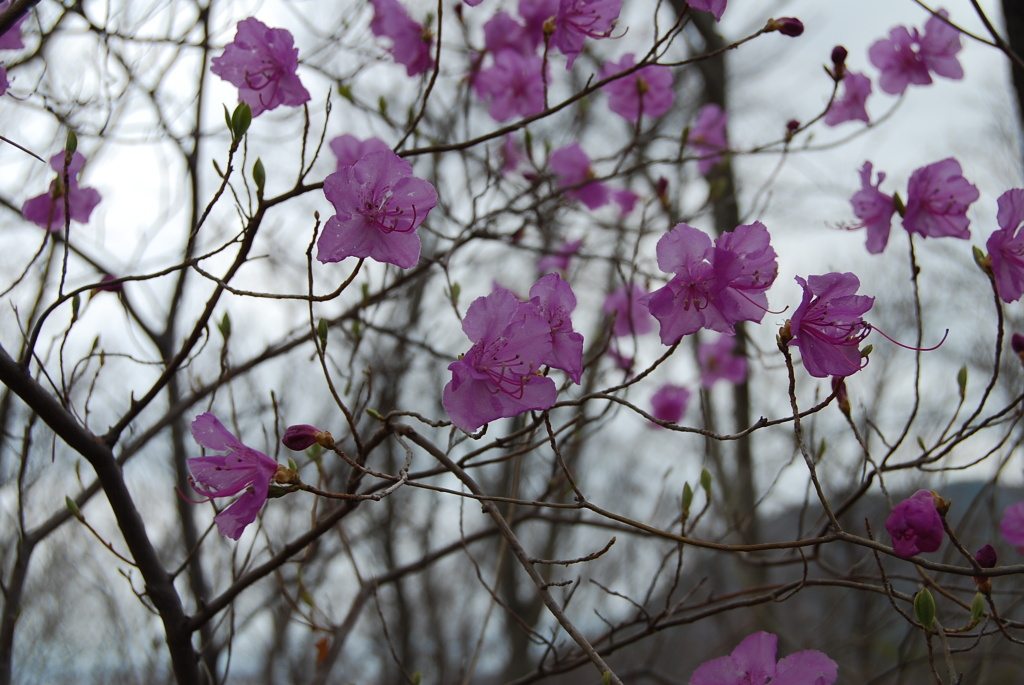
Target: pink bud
300	437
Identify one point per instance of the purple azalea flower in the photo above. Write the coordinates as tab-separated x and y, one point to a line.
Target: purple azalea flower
560	260
647	91
300	436
874	209
827	326
907	57
753	663
410	42
514	85
669	403
716	7
1012	525
535	14
572	167
11	39
502	32
498	377
915	525
708	138
511	155
242	468
714	286
554	301
262	62
1006	246
850	106
625	199
349	149
578	20
379	205
631	316
937	200
938	48
47	210
717	362
472	3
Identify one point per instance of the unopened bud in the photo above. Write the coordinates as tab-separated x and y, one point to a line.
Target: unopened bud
986	558
839	55
787	26
300	437
842	397
924	608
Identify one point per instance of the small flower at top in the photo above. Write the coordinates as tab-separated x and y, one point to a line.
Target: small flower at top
906	57
717	362
262	62
874	209
714	286
302	436
349	149
647	91
716	7
578	20
379	205
827	326
241	468
850	106
631	316
11	38
572	167
1012	525
1006	246
915	525
938	196
410	42
499	377
753	661
669	403
514	85
47	210
559	262
708	138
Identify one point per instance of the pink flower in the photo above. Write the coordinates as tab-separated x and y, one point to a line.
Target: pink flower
300	437
379	205
242	468
410	42
753	663
560	260
572	167
850	106
669	403
874	209
716	7
937	200
349	149
262	62
1006	246
717	362
625	199
909	58
502	32
708	138
631	316
915	525
11	39
511	155
646	91
827	326
499	376
1012	525
553	302
714	286
578	20
514	85
47	210
535	14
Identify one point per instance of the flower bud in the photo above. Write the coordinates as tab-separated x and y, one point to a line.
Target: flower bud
986	558
1017	345
300	437
842	397
107	286
839	55
924	608
787	26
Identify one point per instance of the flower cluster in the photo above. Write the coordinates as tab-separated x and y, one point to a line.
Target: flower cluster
715	285
241	468
47	210
379	204
262	62
500	376
753	661
909	57
410	41
827	326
